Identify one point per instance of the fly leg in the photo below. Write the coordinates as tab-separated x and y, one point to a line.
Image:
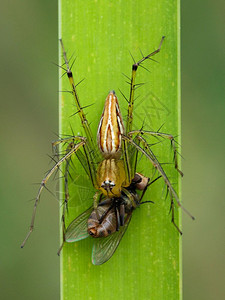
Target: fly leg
145	189
104	202
122	214
117	213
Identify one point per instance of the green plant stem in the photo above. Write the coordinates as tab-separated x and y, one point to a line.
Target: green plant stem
146	264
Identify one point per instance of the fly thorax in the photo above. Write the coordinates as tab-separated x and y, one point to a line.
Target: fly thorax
140	181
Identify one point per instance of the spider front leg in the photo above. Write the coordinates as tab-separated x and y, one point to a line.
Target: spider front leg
163	135
84	121
127	155
133	86
44	181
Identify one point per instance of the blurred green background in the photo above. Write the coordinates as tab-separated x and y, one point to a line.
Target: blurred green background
29	121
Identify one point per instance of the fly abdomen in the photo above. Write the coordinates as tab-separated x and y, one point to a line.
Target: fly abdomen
101	224
95	219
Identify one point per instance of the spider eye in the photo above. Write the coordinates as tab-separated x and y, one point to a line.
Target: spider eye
108	184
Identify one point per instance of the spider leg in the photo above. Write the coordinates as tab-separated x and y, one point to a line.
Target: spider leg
172	218
133	158
127	154
87	159
84	121
163	135
96	197
133	86
150	155
87	165
66	140
66	189
127	163
44	181
130	157
65	203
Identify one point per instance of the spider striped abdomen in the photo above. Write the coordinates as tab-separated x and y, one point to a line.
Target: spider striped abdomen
110	127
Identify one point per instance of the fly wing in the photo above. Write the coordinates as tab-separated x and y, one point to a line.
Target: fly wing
104	248
77	230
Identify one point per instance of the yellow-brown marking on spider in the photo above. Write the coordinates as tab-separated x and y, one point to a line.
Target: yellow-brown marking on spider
111	177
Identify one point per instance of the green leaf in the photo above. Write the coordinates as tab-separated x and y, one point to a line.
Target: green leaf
146	264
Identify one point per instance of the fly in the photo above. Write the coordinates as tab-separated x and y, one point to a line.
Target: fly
111	221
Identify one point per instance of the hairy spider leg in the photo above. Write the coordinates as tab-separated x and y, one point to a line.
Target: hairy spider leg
84	121
84	158
128	169
133	86
163	135
172	210
150	155
46	178
88	166
66	193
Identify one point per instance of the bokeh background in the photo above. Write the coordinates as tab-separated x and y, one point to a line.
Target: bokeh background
29	122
